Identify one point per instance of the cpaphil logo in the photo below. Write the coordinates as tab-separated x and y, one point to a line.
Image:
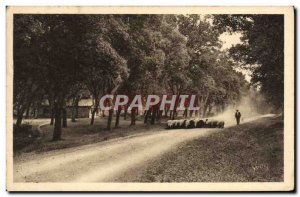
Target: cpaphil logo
171	102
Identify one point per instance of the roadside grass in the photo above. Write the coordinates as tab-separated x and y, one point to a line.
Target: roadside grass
251	152
79	133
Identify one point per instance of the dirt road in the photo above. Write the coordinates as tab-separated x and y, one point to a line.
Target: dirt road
101	162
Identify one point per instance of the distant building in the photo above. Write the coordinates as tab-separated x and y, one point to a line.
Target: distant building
83	109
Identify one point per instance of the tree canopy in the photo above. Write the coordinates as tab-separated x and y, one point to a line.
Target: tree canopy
59	56
261	50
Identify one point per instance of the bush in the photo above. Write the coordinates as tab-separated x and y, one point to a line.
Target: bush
23	136
24	128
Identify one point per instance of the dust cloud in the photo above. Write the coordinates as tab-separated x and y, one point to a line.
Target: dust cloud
249	106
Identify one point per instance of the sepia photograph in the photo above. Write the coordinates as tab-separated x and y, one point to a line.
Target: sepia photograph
150	98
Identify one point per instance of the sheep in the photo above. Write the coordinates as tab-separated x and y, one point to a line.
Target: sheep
182	123
175	124
190	124
199	123
206	124
221	124
178	124
194	123
170	124
211	123
214	124
187	122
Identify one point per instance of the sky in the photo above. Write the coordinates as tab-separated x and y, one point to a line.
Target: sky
230	40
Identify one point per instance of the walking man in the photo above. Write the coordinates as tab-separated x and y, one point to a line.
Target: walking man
238	117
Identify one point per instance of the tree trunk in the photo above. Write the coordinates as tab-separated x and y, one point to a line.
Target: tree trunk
153	117
209	110
166	113
34	111
37	109
109	120
19	119
171	112
96	105
185	113
125	113
51	107
205	104
147	113
64	122
198	112
52	117
159	114
57	124
191	113
27	112
73	114
173	115
118	118
204	111
175	111
93	116
74	109
132	117
20	116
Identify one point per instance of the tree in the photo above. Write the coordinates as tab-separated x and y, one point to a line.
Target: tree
103	67
55	65
204	47
143	55
120	54
261	50
175	72
26	89
74	96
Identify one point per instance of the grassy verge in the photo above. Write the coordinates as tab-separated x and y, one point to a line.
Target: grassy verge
77	134
248	152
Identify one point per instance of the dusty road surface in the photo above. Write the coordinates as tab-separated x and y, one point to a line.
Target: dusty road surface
101	162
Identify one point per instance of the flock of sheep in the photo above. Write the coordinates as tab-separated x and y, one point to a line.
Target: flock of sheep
194	123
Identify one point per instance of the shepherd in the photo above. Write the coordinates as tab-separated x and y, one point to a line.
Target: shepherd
238	117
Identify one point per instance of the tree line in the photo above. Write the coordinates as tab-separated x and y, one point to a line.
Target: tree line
261	51
57	57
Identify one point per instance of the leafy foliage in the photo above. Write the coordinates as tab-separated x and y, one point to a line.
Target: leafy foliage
59	56
261	50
